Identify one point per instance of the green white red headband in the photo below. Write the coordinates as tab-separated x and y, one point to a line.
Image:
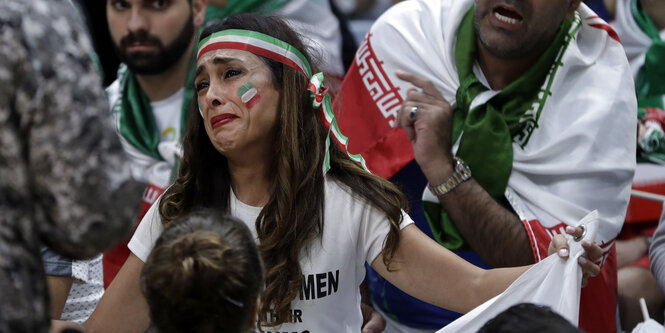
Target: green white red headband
282	52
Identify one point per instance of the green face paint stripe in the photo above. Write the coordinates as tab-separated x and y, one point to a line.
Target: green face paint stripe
244	88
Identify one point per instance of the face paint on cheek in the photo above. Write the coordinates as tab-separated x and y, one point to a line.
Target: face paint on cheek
249	95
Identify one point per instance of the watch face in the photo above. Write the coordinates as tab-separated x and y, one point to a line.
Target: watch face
462	167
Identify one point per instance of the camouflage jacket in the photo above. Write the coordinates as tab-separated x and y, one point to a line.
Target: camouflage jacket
63	175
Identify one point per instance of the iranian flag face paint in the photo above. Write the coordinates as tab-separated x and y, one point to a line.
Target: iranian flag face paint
249	95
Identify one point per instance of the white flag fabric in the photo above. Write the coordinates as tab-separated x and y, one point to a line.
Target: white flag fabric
553	282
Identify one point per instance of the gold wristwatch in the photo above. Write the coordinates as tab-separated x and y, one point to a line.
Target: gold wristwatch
461	173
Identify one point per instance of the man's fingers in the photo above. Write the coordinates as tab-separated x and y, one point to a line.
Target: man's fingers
403	119
410	132
420	82
419	96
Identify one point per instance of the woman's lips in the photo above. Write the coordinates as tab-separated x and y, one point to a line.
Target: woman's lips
222	119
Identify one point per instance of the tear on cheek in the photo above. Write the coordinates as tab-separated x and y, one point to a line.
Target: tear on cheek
200	108
249	95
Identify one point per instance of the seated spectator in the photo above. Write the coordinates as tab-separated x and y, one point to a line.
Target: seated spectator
528	318
203	275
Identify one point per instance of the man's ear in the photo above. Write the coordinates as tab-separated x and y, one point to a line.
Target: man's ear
199	11
574	4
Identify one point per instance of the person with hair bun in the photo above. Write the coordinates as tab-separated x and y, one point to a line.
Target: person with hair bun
203	275
262	144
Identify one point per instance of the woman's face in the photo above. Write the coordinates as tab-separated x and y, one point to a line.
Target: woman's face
237	100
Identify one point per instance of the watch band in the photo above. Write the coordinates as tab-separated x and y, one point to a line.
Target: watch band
461	173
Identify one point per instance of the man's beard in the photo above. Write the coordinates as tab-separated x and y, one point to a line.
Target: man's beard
151	63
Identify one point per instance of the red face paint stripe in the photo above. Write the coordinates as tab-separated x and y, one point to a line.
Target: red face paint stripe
252	102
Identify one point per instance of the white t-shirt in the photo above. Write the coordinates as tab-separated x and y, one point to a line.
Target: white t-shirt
333	267
167	113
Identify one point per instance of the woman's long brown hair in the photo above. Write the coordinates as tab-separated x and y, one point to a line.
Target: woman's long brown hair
294	214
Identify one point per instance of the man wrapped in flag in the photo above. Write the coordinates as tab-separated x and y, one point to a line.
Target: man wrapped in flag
522	118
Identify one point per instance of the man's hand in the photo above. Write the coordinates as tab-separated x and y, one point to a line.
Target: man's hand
593	252
480	219
429	128
372	320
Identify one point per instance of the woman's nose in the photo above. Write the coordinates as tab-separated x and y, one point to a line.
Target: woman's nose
214	95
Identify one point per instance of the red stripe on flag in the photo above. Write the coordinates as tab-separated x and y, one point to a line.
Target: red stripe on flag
607	28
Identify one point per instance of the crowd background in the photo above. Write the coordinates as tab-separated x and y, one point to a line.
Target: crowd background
355	18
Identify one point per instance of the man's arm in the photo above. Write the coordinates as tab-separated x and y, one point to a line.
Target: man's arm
493	231
483	222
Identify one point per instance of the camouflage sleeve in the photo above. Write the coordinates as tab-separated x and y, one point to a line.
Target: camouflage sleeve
85	200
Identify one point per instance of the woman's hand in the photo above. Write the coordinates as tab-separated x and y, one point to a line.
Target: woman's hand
593	252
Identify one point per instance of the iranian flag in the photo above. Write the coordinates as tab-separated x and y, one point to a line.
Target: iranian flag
249	95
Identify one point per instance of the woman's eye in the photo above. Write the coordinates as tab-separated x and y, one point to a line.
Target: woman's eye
201	85
231	73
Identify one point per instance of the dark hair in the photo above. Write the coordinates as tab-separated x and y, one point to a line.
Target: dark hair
529	318
203	275
293	216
